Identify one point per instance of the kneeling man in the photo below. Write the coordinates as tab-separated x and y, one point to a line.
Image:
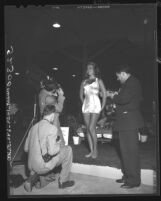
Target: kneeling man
45	152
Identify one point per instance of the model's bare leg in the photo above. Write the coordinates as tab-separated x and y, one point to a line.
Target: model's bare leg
92	128
87	122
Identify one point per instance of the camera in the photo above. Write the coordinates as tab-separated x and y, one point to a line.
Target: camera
56	88
52	86
47	157
58	138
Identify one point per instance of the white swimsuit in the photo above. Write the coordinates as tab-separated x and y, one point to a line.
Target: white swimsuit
91	102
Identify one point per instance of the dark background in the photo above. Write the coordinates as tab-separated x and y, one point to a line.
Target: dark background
108	36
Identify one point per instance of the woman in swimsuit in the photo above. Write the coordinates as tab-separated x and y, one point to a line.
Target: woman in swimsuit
90	89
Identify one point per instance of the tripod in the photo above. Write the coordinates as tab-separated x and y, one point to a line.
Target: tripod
30	125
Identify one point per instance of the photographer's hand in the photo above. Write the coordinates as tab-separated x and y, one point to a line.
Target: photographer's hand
50	93
59	141
111	94
60	92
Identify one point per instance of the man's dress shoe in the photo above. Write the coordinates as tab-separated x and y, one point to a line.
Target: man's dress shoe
32	179
120	180
66	184
28	186
129	186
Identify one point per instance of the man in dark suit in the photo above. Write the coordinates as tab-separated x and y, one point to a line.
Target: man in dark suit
128	121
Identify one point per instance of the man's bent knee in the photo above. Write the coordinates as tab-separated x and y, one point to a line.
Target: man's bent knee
69	149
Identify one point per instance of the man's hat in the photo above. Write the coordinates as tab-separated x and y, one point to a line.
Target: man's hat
51	85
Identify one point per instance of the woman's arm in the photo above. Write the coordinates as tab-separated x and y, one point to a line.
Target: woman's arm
81	91
103	91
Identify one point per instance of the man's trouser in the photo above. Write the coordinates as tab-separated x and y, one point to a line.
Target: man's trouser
129	146
65	160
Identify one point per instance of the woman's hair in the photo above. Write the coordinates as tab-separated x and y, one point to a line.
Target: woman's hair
95	69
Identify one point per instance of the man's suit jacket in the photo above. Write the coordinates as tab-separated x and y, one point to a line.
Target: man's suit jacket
127	102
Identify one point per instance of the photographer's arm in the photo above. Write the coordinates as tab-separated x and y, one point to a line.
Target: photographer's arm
126	95
60	103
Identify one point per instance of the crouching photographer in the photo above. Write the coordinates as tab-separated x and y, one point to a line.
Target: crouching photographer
45	153
51	93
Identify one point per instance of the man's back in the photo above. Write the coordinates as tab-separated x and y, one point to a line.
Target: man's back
36	144
35	159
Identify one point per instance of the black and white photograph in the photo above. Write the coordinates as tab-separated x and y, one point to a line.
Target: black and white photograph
82	100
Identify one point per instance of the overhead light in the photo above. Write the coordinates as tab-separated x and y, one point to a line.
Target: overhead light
8	52
56	25
17	73
55	68
73	75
